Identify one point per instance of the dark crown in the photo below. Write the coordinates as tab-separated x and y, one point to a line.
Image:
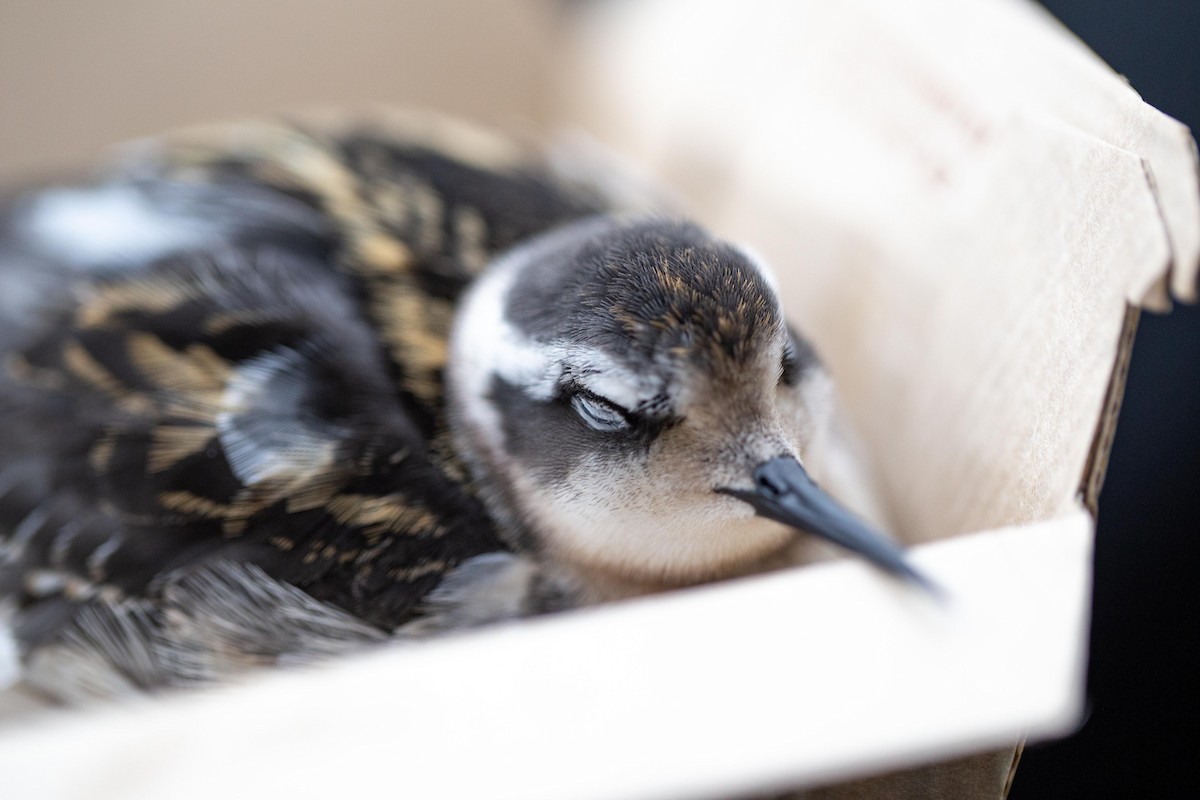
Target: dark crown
650	289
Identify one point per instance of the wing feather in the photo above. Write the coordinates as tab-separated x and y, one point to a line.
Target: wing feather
232	355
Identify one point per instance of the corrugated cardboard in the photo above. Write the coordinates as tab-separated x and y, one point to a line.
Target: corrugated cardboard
963	206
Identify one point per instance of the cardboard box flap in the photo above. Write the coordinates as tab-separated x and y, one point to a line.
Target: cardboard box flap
1176	180
960	67
1106	428
1016	54
746	686
972	321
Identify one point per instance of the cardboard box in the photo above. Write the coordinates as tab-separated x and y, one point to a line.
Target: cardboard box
966	209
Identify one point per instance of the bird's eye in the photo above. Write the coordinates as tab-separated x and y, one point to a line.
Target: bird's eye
599	414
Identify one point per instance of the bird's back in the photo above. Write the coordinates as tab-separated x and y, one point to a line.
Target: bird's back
222	433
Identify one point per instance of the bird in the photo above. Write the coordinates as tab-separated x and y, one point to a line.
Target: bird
277	390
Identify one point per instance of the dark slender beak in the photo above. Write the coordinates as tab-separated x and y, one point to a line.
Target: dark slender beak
784	492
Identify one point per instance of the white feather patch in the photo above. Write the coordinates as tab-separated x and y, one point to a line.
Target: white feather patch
99	557
229	616
12	547
107	225
493	346
486	589
10	659
484	344
262	430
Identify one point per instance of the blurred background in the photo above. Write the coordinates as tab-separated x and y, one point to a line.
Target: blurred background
79	76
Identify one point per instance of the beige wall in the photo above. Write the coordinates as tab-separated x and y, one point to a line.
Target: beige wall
76	75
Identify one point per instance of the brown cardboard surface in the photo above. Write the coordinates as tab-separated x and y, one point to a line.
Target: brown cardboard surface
1106	428
965	778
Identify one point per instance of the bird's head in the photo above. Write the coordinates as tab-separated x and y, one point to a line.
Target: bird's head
628	393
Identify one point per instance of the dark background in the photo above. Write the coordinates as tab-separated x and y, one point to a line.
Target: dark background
1140	738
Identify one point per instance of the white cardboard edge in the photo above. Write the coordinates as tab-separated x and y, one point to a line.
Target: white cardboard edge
794	678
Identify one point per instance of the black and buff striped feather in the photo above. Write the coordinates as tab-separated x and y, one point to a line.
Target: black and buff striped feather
252	417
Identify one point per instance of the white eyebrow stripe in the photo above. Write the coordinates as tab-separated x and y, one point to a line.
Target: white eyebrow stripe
602	376
486	344
497	347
